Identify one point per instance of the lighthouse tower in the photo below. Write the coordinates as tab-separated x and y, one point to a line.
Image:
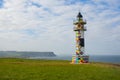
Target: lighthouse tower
79	29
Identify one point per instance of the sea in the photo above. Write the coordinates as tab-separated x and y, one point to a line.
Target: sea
115	59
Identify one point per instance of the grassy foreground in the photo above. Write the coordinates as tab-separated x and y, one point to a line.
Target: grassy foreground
24	69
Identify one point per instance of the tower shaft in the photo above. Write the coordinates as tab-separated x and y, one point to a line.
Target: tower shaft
79	43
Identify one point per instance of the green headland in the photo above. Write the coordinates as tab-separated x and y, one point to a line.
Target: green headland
28	69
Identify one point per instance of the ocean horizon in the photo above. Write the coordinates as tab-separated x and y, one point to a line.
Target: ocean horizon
115	59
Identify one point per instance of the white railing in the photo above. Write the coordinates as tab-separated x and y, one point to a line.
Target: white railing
78	28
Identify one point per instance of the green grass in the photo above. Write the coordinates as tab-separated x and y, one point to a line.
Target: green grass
25	69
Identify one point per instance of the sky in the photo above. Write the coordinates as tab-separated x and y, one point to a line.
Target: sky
47	25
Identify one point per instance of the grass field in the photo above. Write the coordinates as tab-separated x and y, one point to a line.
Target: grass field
25	69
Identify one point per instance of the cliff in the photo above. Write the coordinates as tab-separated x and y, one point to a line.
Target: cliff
26	54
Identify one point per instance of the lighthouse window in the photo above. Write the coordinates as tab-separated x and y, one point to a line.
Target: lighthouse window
82	42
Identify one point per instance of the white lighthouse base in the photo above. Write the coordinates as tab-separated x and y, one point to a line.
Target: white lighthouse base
80	59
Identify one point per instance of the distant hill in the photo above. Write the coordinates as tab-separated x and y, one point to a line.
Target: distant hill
26	54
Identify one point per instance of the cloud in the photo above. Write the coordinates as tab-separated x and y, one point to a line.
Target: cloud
46	25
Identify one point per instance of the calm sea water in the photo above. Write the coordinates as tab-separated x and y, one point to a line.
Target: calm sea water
105	58
93	58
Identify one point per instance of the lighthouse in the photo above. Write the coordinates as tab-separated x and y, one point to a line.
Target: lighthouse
79	28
